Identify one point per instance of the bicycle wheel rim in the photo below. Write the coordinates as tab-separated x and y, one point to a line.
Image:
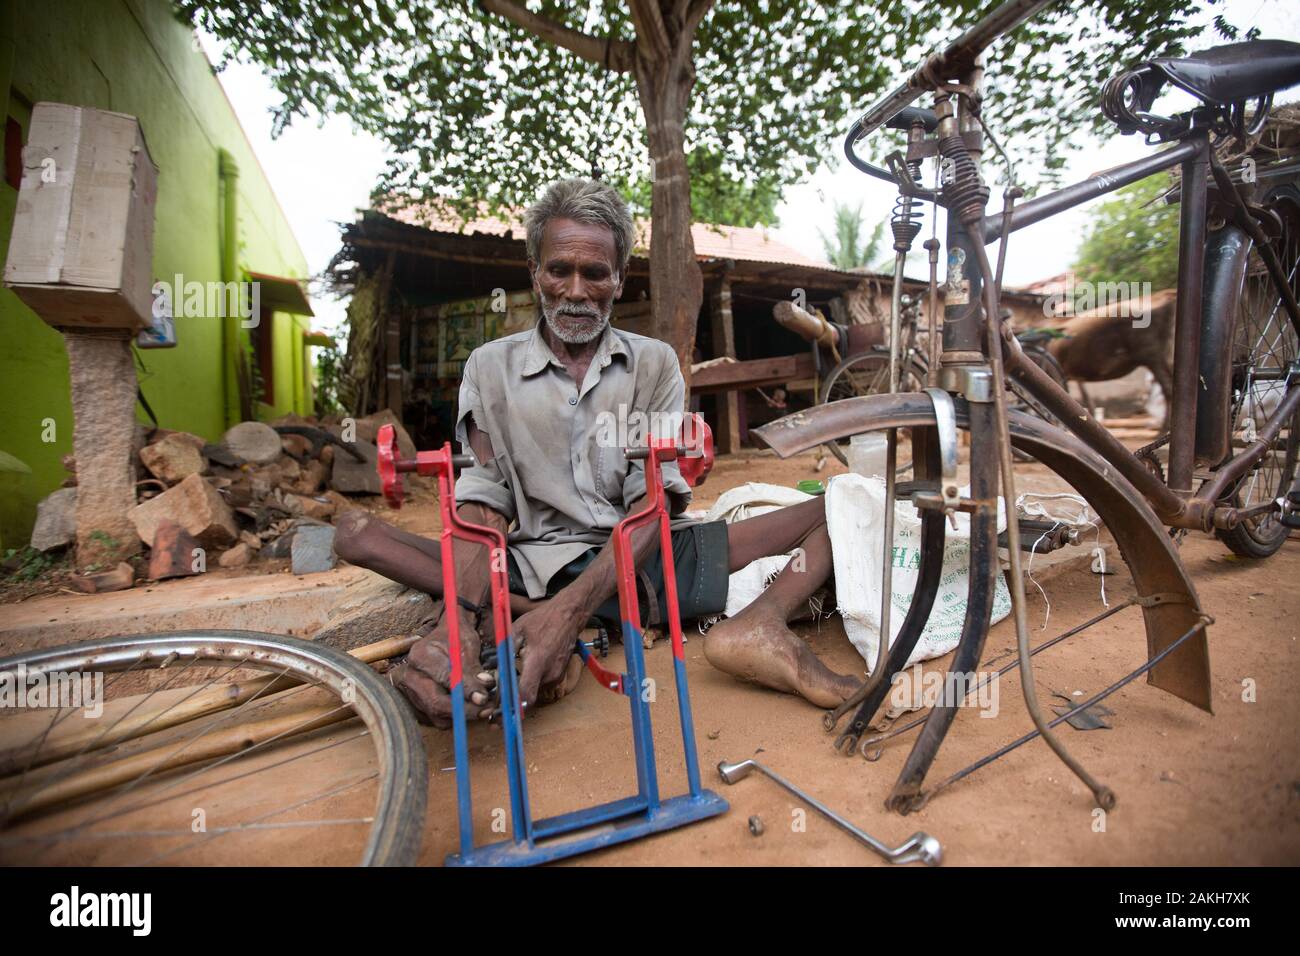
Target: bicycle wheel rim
866	374
395	834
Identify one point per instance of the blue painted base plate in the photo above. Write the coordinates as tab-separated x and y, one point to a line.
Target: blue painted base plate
576	838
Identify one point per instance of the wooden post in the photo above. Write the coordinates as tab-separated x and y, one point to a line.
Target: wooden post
393	363
727	437
102	371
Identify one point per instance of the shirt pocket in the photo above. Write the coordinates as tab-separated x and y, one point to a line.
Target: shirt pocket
610	470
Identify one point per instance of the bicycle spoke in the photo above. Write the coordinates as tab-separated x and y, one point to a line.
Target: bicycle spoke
68	771
266	816
59	717
180	731
131	785
117	834
1264	350
90	744
75	831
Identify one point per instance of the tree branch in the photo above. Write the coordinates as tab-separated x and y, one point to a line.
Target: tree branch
650	26
695	12
613	54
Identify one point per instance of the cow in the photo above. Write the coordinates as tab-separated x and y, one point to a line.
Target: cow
1114	339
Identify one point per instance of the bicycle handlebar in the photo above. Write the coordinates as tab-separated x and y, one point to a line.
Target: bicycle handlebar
940	67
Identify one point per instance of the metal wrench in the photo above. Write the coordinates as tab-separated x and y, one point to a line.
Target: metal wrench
918	847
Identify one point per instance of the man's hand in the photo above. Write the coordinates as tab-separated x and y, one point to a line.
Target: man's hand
425	679
547	637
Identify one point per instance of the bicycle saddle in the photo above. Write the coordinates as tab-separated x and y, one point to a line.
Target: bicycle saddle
1228	74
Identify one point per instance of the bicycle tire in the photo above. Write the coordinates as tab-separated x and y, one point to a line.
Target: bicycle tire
1252	352
396	833
875	364
1026	401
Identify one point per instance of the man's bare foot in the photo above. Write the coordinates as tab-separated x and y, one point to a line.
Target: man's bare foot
760	648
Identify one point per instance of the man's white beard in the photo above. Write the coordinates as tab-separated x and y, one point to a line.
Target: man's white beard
572	324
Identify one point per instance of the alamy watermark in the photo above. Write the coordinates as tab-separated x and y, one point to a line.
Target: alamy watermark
79	690
75	908
632	428
914	688
1127	300
180	299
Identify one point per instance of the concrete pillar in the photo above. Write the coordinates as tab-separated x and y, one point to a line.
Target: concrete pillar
102	370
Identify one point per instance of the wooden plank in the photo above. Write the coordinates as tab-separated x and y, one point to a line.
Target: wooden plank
393	364
752	373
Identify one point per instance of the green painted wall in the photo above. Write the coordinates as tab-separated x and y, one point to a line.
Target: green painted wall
133	56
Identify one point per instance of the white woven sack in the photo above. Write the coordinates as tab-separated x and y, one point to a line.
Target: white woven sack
855	510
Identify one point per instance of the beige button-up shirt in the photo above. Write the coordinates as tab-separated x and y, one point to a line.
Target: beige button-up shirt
560	474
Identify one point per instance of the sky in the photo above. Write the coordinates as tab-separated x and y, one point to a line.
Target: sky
322	173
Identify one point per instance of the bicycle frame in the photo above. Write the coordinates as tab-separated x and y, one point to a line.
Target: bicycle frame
979	351
1173	499
1195	438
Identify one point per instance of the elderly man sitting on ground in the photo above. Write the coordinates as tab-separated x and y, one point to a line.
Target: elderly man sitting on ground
535	411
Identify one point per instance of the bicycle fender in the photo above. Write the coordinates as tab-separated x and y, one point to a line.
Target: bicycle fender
1170	606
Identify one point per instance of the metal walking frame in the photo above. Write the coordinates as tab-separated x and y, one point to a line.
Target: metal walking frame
592	828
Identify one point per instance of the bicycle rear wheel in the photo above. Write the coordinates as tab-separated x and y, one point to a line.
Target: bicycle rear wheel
1264	359
866	374
200	736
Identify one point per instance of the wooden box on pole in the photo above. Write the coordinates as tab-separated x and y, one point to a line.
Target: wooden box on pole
81	251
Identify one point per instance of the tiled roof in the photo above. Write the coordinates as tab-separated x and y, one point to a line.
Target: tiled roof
749	244
1049	285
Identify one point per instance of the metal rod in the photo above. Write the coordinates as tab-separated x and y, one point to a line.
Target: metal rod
936	340
919	846
1096	698
1076	194
877	674
1187	316
1104	795
916	722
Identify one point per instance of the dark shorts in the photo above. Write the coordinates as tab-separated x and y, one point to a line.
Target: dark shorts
701	557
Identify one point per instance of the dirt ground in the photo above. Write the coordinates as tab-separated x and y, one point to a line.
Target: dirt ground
1193	788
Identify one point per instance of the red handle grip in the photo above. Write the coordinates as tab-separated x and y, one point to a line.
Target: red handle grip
697	440
388	464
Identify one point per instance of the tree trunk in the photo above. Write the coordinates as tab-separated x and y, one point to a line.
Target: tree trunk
676	284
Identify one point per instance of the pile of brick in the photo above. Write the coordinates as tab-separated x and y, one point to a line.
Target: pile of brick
266	490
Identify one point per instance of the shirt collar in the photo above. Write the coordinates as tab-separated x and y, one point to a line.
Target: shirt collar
539	354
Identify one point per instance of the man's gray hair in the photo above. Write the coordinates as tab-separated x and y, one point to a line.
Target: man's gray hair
582	200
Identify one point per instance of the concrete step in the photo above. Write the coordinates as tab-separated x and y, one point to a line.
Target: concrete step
276	603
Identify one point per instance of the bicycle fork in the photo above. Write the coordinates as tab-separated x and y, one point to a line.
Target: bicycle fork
972	364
